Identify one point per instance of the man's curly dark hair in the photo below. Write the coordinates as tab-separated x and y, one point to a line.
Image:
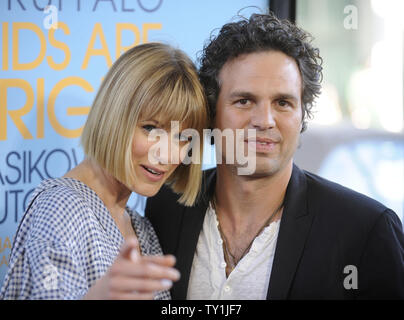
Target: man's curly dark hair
262	32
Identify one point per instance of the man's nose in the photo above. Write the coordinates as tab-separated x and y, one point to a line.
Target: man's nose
263	116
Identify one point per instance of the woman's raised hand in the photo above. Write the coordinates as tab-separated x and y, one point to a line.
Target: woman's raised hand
133	276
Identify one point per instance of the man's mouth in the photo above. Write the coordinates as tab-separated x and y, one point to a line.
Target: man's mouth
262	141
262	145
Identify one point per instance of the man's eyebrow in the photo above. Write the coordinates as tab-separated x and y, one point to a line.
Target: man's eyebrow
242	94
285	96
249	95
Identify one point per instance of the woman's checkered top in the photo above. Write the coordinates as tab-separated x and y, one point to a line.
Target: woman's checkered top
67	240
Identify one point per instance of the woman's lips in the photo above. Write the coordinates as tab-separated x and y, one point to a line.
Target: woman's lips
152	173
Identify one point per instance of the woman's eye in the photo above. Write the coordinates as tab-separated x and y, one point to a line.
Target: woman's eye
149	127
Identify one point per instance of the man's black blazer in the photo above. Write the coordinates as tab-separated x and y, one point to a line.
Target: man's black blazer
324	228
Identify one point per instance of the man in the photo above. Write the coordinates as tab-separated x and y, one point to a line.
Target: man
279	233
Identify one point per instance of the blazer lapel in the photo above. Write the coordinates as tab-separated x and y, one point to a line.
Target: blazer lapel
191	226
294	229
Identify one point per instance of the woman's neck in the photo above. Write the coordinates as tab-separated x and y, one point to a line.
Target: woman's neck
113	194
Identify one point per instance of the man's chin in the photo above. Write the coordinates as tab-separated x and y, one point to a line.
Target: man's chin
260	171
270	167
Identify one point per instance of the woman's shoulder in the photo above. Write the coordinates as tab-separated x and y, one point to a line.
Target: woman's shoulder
57	206
58	194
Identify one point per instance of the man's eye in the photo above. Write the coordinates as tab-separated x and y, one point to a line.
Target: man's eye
148	127
283	103
243	101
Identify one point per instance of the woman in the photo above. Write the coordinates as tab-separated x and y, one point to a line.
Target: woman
77	238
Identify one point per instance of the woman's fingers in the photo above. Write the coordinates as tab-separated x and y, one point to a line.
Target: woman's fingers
133	276
133	296
130	249
139	285
167	260
143	269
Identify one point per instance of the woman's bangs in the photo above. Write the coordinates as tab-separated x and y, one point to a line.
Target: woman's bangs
175	103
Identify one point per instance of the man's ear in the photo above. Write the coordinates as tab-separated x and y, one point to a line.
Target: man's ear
303	125
299	142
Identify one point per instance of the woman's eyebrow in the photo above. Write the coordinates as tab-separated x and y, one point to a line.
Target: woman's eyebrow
150	120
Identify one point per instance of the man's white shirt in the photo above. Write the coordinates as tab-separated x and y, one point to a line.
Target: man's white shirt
250	278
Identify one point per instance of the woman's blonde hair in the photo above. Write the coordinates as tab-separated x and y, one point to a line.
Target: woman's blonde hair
148	80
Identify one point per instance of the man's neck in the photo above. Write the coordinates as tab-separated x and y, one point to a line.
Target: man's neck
245	203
